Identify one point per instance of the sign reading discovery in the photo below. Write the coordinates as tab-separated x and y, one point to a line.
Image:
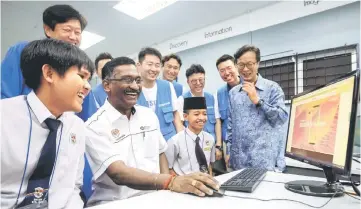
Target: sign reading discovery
178	44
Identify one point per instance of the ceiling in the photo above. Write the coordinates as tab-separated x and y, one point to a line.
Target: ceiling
22	20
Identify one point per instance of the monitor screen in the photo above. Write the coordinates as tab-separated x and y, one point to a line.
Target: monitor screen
320	122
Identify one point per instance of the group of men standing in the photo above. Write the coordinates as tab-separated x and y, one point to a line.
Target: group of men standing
140	132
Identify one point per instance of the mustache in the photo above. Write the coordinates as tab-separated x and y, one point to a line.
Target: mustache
129	90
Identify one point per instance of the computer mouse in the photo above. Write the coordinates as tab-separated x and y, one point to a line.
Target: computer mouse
216	193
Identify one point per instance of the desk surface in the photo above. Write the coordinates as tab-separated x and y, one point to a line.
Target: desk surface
265	190
355	168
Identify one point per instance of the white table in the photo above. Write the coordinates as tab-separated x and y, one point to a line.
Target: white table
265	190
355	168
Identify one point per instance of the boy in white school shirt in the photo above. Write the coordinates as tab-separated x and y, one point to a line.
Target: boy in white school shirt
192	149
125	147
42	142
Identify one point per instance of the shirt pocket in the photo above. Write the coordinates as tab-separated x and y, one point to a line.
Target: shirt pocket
168	114
211	117
223	113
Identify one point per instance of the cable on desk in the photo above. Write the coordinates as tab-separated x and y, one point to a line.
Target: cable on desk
312	206
353	196
356	160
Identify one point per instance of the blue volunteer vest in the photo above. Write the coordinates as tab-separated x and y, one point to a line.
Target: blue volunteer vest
178	88
210	125
99	94
163	108
223	98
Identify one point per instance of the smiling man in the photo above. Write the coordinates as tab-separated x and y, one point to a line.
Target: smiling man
60	22
125	147
158	95
171	67
256	114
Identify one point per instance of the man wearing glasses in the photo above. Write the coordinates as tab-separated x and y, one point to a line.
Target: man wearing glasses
124	144
171	66
158	95
196	80
256	114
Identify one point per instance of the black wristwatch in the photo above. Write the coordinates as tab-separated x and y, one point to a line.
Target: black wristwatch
260	103
219	148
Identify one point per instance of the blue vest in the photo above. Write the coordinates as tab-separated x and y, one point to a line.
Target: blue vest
12	81
99	94
210	125
163	108
178	88
223	98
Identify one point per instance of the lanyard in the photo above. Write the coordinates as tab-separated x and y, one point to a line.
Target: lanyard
28	150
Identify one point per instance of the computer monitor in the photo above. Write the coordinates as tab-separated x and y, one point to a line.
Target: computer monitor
321	133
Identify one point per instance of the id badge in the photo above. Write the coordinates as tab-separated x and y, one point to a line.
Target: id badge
42	205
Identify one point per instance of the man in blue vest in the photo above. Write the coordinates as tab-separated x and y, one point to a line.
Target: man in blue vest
60	22
171	66
196	80
229	74
99	93
159	95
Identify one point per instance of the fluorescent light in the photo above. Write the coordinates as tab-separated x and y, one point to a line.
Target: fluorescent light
140	9
89	39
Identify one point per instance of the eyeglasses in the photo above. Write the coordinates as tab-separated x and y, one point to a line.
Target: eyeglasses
194	82
223	70
127	80
249	65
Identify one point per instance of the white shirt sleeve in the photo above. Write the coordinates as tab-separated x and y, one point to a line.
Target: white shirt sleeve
216	109
163	146
75	199
174	97
213	154
172	151
100	152
180	107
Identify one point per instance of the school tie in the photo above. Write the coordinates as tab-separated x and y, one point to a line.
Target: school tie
38	184
201	158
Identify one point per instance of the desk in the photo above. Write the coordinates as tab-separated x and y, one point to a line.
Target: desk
265	190
355	167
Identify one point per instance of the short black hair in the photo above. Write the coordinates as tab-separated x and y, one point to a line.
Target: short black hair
102	56
108	68
172	56
224	58
60	55
248	48
195	68
62	13
148	51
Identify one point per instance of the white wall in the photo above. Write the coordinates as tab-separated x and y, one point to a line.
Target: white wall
331	28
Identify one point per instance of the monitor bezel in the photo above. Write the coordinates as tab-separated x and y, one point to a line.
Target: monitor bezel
346	170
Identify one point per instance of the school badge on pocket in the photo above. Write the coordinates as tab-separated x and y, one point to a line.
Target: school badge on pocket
73	138
115	132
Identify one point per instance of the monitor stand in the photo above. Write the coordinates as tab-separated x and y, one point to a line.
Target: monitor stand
318	188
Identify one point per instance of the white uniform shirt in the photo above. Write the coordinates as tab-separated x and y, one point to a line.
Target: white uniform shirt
181	105
150	95
137	142
15	127
181	153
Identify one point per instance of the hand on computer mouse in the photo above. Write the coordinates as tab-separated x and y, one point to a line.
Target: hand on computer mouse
195	183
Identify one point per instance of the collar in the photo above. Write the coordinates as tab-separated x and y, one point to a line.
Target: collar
192	135
112	113
260	85
193	95
40	111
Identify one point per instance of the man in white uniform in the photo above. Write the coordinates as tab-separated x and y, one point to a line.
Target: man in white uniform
193	149
125	147
42	143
